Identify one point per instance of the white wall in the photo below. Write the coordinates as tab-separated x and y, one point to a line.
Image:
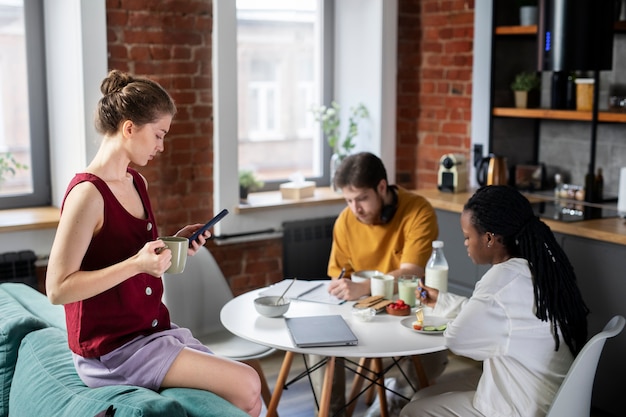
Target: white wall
76	60
481	85
366	70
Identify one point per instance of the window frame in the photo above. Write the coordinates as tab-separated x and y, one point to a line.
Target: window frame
364	55
38	112
326	75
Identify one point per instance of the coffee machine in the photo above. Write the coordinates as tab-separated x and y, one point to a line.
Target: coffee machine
453	173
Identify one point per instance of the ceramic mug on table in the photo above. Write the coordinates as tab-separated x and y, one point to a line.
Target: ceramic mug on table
382	285
178	246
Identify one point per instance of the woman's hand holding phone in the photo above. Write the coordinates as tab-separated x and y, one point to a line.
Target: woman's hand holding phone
207	226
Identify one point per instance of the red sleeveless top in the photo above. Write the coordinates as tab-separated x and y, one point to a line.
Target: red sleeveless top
100	324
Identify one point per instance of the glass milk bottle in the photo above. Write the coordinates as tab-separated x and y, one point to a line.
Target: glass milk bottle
437	268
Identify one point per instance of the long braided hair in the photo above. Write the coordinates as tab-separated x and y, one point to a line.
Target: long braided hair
504	211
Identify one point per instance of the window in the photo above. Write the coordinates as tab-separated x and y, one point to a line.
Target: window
357	63
279	50
23	126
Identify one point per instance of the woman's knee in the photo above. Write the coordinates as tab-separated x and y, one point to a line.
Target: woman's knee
250	389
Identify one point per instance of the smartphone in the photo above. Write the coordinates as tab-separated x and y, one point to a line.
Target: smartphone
208	225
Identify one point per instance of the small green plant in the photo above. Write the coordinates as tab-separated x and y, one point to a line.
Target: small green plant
249	181
526	81
329	117
9	165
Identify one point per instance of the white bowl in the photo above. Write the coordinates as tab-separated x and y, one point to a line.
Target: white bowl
266	306
362	276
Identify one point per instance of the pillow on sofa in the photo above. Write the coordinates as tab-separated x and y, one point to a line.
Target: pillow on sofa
36	303
46	383
15	323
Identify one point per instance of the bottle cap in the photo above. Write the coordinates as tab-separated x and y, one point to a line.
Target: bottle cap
437	244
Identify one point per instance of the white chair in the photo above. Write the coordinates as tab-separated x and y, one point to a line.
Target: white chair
573	399
195	298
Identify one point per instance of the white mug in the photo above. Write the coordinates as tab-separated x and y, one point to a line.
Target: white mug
382	285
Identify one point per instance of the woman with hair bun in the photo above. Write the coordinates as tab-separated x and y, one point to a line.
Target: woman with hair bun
526	319
106	262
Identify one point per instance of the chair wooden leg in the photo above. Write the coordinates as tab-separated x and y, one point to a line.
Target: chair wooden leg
265	389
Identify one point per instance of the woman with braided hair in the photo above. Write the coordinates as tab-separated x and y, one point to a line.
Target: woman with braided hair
526	319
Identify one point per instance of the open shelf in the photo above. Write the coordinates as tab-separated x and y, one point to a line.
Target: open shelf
516	30
532	29
603	116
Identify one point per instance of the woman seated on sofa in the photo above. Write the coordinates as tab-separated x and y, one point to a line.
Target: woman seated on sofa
526	319
106	262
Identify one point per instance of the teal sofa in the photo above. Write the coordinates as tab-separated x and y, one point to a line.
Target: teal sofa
37	375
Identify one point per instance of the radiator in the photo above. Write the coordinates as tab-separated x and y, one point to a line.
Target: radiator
306	247
18	267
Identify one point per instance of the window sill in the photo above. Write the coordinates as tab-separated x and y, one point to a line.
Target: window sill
33	218
273	199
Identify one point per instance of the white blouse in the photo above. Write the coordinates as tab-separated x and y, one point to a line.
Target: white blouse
497	325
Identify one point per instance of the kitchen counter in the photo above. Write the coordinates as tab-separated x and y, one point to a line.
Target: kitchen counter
612	230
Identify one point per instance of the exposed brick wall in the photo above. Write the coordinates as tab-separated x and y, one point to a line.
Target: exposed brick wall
435	58
170	41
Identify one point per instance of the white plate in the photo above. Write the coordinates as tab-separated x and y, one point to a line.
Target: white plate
428	321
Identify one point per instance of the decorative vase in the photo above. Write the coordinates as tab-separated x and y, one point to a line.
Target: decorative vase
521	99
528	15
335	161
243	194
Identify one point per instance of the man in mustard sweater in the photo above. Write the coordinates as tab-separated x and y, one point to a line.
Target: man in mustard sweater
385	228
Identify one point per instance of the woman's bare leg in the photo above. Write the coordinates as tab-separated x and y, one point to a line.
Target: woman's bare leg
234	381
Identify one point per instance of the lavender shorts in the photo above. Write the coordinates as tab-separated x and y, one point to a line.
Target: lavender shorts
142	362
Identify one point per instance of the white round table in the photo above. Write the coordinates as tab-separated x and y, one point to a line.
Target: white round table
382	337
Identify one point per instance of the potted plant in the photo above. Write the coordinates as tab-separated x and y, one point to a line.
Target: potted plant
525	84
8	165
329	117
248	182
331	124
527	12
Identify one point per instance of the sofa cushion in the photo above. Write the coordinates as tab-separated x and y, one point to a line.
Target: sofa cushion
200	403
36	303
15	323
46	383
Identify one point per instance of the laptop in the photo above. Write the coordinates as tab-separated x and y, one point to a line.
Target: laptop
317	331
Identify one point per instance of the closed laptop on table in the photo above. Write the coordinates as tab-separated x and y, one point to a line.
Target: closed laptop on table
318	331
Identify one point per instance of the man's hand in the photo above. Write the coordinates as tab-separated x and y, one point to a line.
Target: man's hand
345	289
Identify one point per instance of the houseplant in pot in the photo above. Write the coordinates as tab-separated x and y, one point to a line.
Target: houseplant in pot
248	182
527	12
526	89
329	118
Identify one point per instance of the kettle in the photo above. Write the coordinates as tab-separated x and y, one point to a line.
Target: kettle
492	170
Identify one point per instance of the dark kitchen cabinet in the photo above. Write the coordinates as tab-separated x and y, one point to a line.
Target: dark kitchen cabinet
600	267
463	273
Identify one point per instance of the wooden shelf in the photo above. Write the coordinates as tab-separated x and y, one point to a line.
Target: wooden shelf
516	30
532	29
603	116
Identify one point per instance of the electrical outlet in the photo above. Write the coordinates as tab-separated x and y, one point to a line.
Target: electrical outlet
478	153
